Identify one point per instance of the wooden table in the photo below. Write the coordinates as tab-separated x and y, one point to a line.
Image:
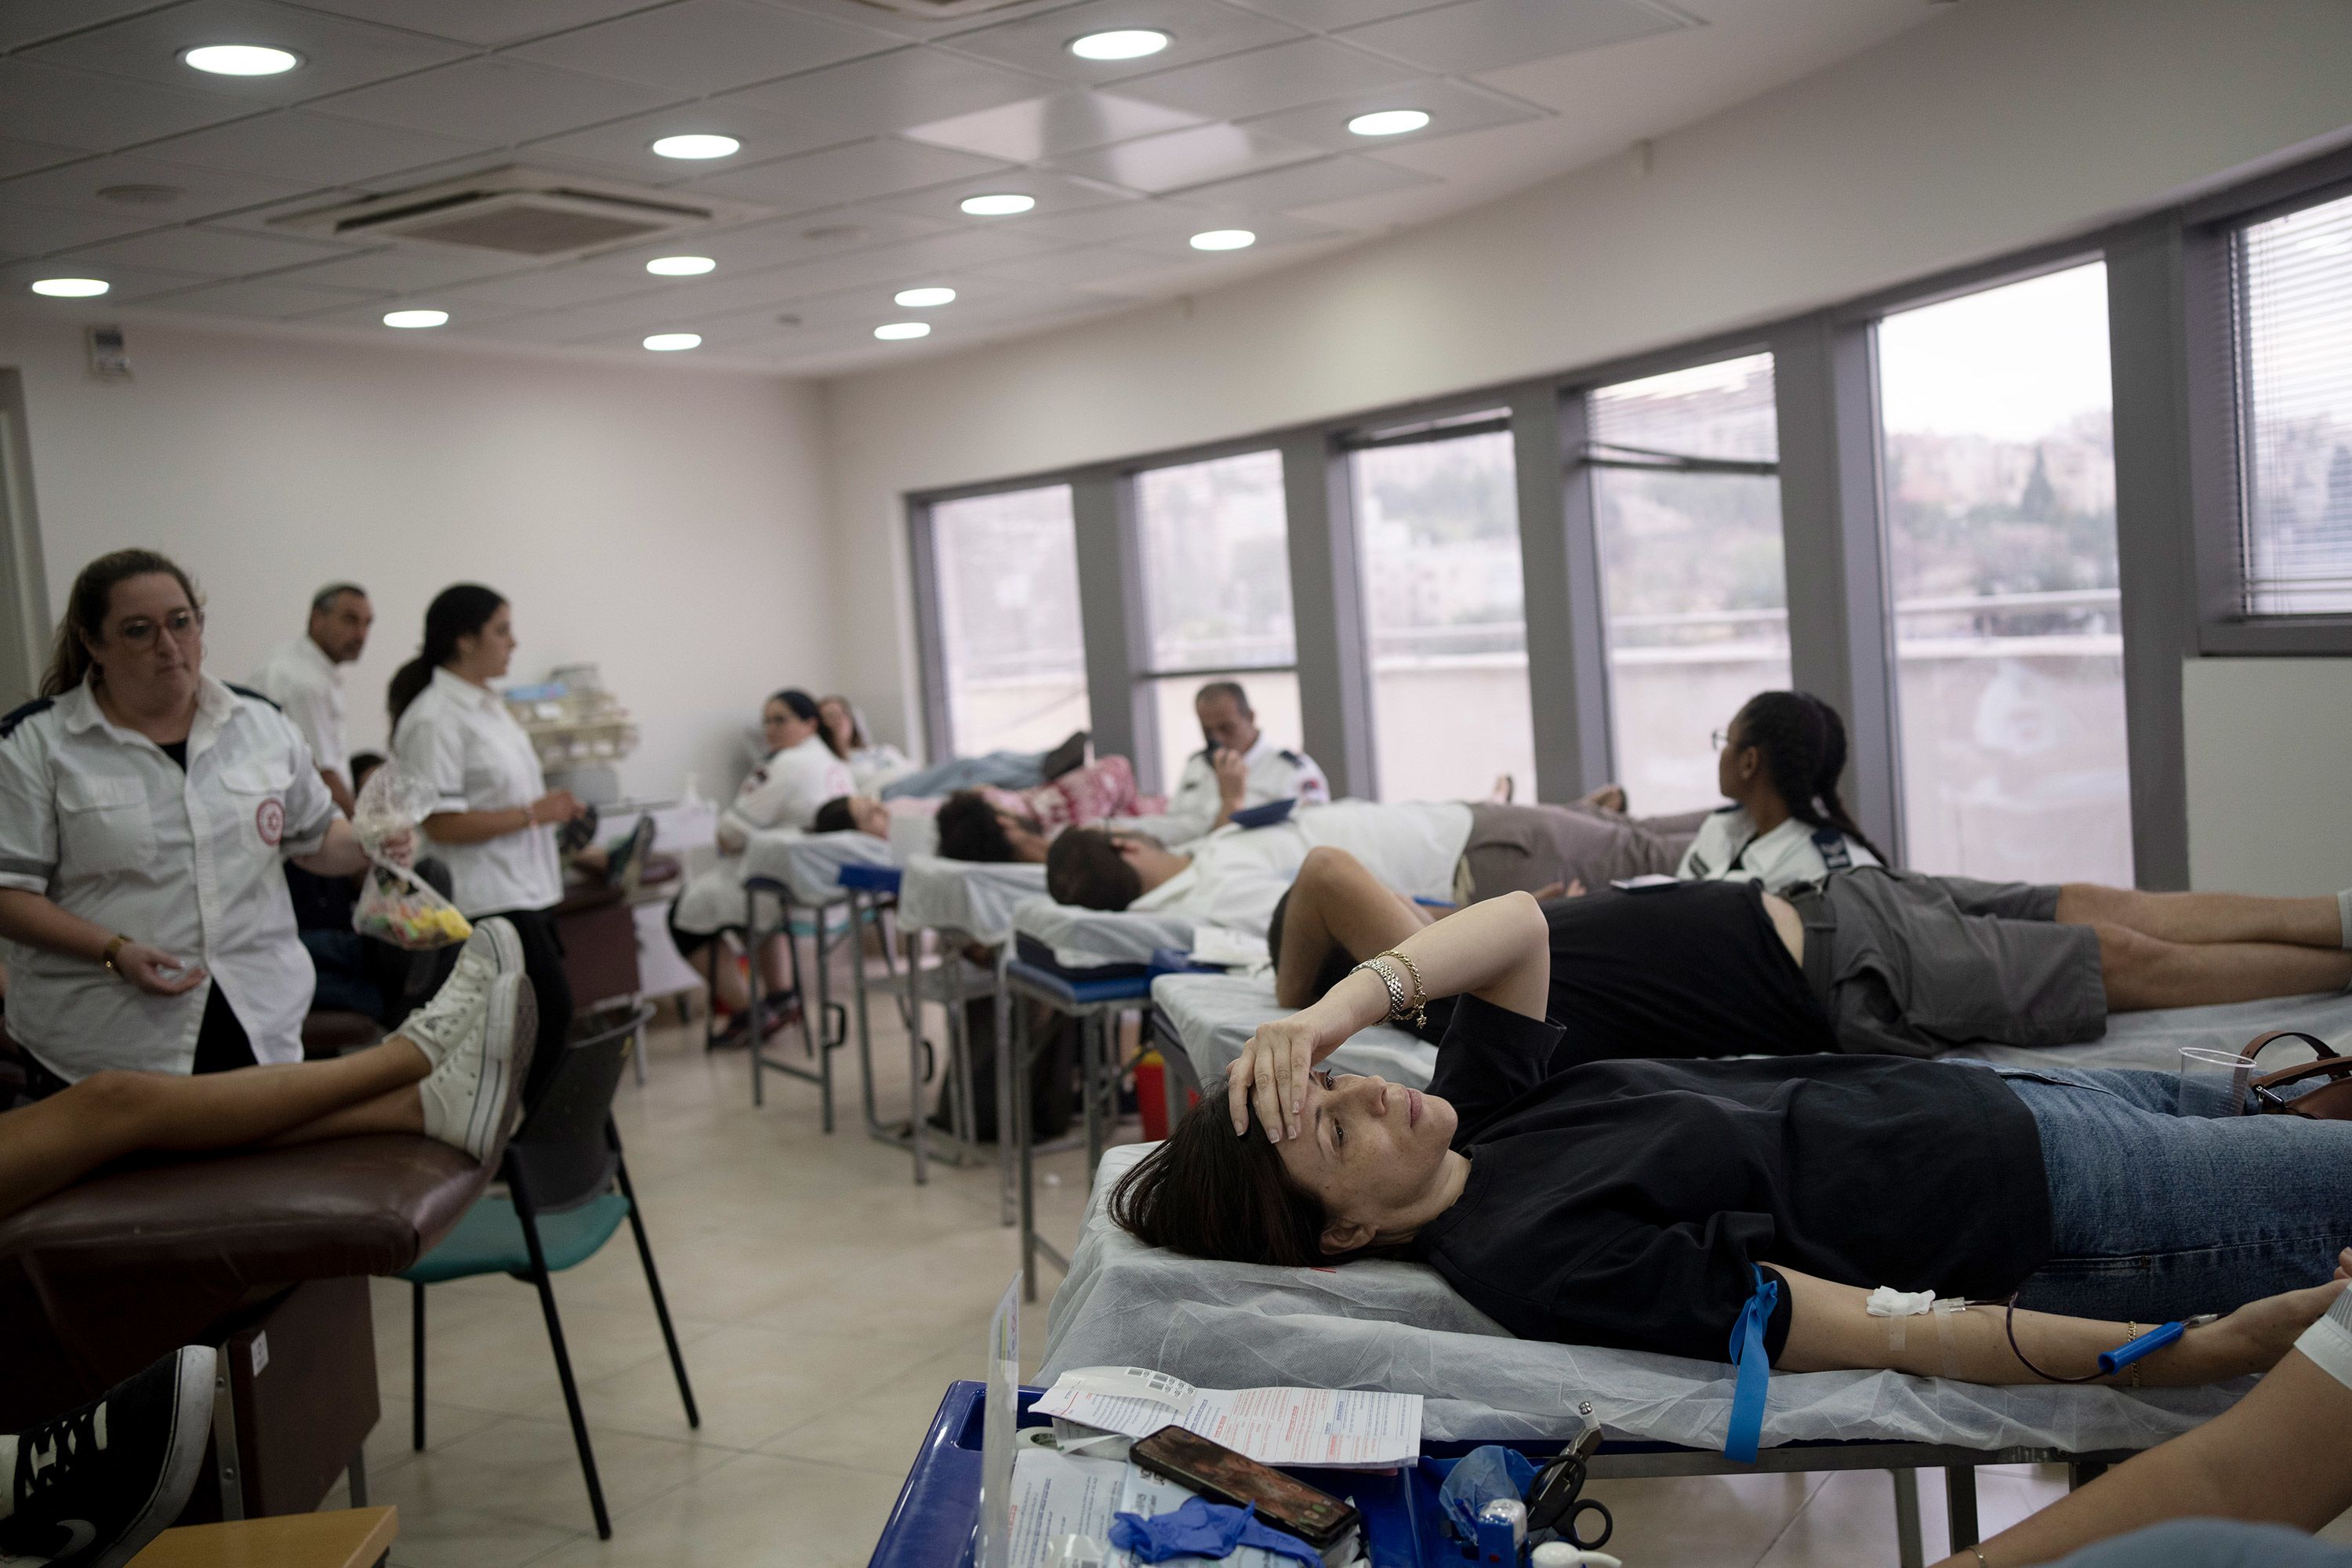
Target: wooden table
350	1538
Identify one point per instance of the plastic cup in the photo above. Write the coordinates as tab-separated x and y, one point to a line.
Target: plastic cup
2213	1083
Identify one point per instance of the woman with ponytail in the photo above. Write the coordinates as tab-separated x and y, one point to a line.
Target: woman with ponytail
1780	766
496	821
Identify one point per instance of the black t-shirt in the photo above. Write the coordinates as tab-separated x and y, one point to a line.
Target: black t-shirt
1626	1202
1694	970
177	750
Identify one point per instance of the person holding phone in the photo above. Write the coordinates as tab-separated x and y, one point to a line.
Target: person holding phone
1236	767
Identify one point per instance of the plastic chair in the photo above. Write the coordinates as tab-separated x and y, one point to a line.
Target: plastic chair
561	1169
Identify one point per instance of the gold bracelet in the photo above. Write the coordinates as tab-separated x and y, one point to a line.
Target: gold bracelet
1399	1009
2133	1377
117	945
1388	979
1419	1003
1979	1557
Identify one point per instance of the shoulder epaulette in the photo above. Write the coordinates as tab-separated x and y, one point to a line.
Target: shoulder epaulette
249	692
9	720
1723	810
1293	758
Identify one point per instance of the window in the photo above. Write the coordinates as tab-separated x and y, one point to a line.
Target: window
1005	568
2001	513
1217	589
2292	278
1686	502
1438	545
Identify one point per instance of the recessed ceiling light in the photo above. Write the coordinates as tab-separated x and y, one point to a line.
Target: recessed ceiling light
1125	44
1224	239
70	288
1388	123
671	342
239	59
897	332
922	299
679	266
415	318
697	146
1003	204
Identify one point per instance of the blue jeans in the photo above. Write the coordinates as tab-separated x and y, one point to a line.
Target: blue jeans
2155	1216
1004	769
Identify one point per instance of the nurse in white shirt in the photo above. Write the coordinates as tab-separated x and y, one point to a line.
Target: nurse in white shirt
305	679
147	813
1786	826
1237	768
803	770
494	825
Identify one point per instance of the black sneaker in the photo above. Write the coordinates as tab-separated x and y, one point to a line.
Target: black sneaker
1071	753
627	867
97	1484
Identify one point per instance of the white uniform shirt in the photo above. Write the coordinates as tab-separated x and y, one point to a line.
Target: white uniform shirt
872	768
1239	874
461	737
784	791
1274	774
2329	1341
307	687
97	819
1730	850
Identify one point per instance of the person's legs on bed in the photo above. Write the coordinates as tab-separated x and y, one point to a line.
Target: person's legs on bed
1334	907
2142	970
2203	919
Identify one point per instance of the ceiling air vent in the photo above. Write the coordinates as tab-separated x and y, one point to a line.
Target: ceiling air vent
518	212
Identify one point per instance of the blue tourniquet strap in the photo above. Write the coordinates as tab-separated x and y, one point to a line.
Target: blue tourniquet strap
1755	1370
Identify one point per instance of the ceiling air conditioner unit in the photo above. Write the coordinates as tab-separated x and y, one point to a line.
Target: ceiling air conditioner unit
518	211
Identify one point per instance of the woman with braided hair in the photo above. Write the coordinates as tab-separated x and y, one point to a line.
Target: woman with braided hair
1781	760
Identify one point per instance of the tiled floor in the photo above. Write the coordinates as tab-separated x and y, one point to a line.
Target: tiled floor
824	1303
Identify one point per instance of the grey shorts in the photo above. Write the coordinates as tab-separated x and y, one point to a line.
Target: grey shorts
1918	964
1519	849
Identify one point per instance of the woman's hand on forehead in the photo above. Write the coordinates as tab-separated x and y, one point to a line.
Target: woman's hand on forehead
1270	1076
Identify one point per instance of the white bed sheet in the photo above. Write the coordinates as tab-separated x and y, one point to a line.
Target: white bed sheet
1399	1326
810	863
975	897
1213	1014
1091	939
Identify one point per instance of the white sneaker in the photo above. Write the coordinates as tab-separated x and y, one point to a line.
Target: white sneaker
445	1024
465	1098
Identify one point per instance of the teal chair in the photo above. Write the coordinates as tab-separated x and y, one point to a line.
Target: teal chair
567	1192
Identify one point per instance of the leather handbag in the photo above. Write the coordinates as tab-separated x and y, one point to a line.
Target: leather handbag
2331	1101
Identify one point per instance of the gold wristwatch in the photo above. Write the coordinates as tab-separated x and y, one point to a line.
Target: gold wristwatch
117	945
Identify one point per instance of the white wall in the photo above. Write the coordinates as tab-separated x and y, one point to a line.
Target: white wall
2270	768
666	523
2000	124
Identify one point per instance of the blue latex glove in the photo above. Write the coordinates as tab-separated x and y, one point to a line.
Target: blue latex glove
1480	1476
1205	1529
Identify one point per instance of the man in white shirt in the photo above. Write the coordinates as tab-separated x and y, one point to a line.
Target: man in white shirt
305	679
1238	767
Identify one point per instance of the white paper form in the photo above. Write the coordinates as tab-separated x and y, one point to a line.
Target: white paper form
1341	1427
1057	1495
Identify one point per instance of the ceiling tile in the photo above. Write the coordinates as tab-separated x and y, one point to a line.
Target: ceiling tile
406	269
24	22
1330	15
703	45
859	172
1073	268
1037	128
550	289
308	149
24	157
1053	193
948	252
1272	229
759	245
628	144
893	91
1267	79
1452	108
1480	35
75	109
1310	184
336	52
202	192
129	283
472	22
203	252
267	298
1197	30
1182	158
494	101
369	315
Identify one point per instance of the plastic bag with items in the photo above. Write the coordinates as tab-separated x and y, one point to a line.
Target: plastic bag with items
395	904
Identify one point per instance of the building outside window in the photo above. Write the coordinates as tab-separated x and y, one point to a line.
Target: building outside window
1014	660
1438	551
2000	519
1687	500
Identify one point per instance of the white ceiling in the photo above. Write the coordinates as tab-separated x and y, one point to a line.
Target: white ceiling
862	129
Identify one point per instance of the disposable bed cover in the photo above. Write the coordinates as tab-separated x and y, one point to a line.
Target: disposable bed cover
810	863
1093	939
1213	1014
1399	1326
977	899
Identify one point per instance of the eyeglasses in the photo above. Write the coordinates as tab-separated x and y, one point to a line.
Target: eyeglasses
1718	740
184	625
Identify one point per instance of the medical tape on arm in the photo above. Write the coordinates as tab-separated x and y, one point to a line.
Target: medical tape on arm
1898	1307
1945	1311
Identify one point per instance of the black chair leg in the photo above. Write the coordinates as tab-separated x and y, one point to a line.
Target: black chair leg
653	1283
416	1360
563	1357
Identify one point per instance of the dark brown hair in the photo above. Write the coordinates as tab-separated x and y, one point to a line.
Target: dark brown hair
833	817
857	739
1208	1194
802	707
460	610
87	602
969	829
1085	867
1802	740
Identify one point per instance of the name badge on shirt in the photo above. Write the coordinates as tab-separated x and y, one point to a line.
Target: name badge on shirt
269	821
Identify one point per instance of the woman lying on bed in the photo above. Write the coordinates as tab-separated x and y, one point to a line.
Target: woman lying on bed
1641	1203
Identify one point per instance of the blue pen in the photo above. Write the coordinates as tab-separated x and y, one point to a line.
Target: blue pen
2115	1360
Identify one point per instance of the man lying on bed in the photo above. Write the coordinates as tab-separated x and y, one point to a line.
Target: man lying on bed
987	823
1678	971
1642	1204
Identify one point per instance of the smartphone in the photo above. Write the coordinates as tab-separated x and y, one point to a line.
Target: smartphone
1221	1474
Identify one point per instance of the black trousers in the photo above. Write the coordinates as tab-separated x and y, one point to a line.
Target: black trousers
222	1046
542	961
